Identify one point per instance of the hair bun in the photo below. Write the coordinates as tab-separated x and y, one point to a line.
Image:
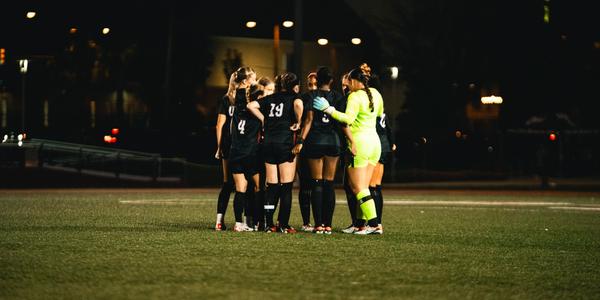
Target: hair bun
365	69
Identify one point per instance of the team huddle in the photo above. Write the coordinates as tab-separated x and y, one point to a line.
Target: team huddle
267	132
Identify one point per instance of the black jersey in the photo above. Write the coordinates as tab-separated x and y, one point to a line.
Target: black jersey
225	108
323	130
385	133
245	132
278	110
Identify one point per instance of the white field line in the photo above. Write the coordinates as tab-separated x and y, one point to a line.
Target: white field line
576	208
165	201
469	203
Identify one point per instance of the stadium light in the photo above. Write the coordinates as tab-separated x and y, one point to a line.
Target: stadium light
73	30
250	24
30	14
356	41
322	42
491	100
105	30
394	71
288	24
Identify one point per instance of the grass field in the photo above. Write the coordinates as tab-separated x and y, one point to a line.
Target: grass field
156	244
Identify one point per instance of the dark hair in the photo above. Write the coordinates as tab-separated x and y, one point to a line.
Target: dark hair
234	81
324	76
357	74
286	82
264	81
253	92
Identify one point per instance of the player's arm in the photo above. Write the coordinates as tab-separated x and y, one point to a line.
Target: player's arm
347	117
350	138
389	133
254	108
304	133
221	118
298	109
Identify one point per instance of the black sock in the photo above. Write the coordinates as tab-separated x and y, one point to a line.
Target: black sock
269	207
238	205
352	203
328	202
259	211
249	206
375	195
286	204
304	199
373	222
379	203
223	200
316	197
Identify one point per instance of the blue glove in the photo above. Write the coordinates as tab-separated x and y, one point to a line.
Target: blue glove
320	103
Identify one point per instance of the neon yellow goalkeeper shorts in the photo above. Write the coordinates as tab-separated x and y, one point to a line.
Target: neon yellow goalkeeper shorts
368	150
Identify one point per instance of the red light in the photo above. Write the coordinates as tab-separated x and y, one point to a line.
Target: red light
552	137
113	140
115	131
107	138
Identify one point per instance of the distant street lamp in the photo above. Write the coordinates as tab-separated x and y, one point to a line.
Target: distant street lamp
250	24
23	66
287	24
105	30
491	100
30	14
322	42
356	41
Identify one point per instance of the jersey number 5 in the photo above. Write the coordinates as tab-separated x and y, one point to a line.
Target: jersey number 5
242	126
276	110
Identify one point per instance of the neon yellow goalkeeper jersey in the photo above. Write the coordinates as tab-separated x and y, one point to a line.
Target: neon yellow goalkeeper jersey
358	113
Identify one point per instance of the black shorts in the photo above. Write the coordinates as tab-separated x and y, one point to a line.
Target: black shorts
225	148
385	158
315	151
246	165
277	153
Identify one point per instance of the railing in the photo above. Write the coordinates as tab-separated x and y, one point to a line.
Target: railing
103	162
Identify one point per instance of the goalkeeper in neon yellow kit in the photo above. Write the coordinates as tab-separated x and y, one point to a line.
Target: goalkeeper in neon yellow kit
364	106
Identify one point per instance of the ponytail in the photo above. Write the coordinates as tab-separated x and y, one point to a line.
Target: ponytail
235	80
360	75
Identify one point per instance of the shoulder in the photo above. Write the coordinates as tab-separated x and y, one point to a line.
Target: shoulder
375	93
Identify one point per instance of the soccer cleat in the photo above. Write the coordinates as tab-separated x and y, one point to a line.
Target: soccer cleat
319	230
366	230
350	229
241	227
378	229
270	229
287	229
220	227
307	228
327	230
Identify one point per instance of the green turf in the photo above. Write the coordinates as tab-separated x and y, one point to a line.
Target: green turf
89	245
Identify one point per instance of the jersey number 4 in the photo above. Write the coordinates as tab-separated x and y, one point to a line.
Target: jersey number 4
276	110
241	126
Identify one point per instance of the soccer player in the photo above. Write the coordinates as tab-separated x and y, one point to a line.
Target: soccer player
320	145
302	167
226	110
388	146
362	109
281	114
245	135
267	87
